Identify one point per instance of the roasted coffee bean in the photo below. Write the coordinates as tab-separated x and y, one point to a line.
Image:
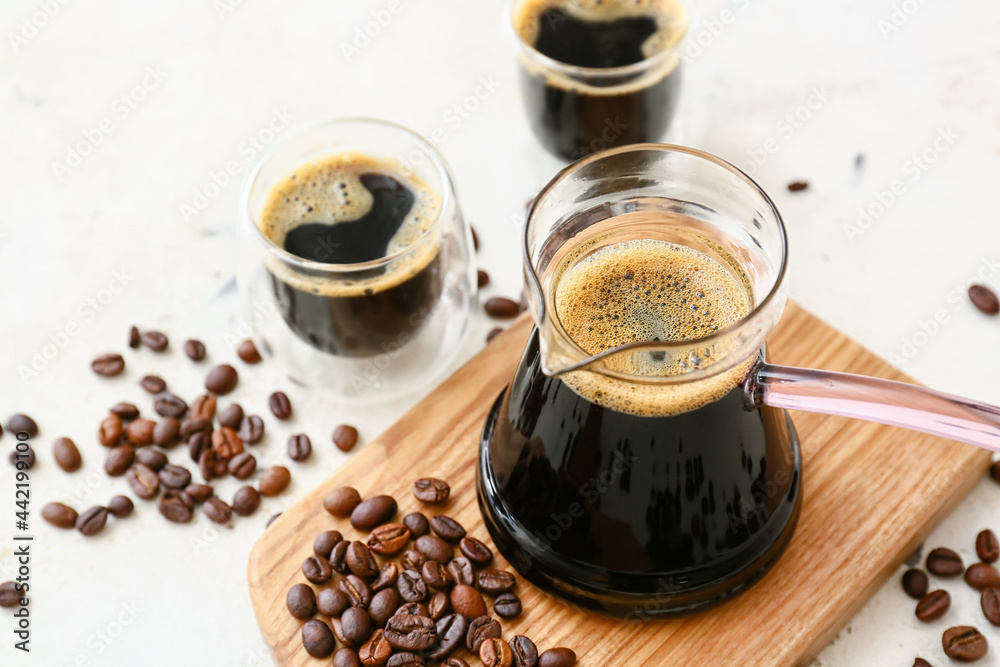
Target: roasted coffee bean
345	437
417	523
461	571
110	432
251	429
222	379
242	466
194	426
194	349
557	657
23	460
108	365
467	601
341	501
152	459
373	512
203	407
325	542
119	458
798	186
476	551
375	651
454	662
301	602
125	410
411	586
412	560
246	501
405	659
155	340
247	351
524	650
355	588
226	442
430	490
346	657
280	406
169	405
153	384
66	454
165	432
496	653
495	582
413	609
447	529
493	333
382	606
299	447
332	602
143	481
59	515
121	506
482	278
389	539
198	444
274	480
436	576
360	560
982	575
451	631
434	548
963	643
231	416
501	307
388	574
317	639
481	629
439	605
21	422
507	605
140	432
987	546
338	557
211	465
990	602
984	299
199	492
317	570
945	563
218	511
10	595
174	477
134	339
933	606
92	521
176	507
411	633
356	626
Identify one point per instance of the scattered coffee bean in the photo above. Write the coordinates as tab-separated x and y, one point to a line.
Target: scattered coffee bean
984	299
194	426
226	442
495	653
987	546
10	596
317	639
125	410
481	629
417	524
525	652
152	459
169	405
982	575
447	529
920	662
218	511
373	512
20	422
436	576
375	651
495	582
451	631
174	477
301	602
461	571
933	606
199	493
274	480
232	416
153	384
92	521
299	447
222	379
246	501
945	563
247	351
431	491
493	333
154	340
990	602
23	460
433	547
140	432
332	602
475	238
467	601
346	657
243	465
387	576
557	657
134	339
405	659
389	539
211	465
345	437
439	605
454	662
325	542
174	508
198	444
143	481
194	349
412	560
338	557
59	515
411	586
110	432
382	606
108	365
411	633
121	506
280	406
203	407
501	307
317	570
118	460
507	605
476	551
341	501
251	429
166	431
356	626
360	560
798	186
963	643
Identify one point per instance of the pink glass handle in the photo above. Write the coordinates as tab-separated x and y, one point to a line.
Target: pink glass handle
877	400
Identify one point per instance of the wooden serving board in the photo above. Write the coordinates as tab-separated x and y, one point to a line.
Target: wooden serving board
872	494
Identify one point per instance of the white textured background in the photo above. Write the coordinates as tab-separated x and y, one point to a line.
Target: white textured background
228	66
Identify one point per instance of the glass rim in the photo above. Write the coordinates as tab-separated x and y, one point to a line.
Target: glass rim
307	265
761	309
576	71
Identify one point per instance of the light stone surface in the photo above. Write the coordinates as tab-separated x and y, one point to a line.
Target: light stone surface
88	250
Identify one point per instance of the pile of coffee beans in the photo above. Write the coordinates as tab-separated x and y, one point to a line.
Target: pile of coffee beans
401	596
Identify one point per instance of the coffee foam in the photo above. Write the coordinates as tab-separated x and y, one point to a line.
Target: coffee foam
671	17
329	191
642	290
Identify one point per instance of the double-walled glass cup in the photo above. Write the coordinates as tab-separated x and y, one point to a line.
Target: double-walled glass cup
368	330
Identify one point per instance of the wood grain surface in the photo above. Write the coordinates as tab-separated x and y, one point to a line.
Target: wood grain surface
871	495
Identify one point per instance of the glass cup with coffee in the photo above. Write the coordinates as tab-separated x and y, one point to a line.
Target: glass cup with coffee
641	460
599	73
355	266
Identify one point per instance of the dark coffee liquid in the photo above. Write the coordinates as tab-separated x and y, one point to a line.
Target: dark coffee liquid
320	215
575	120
